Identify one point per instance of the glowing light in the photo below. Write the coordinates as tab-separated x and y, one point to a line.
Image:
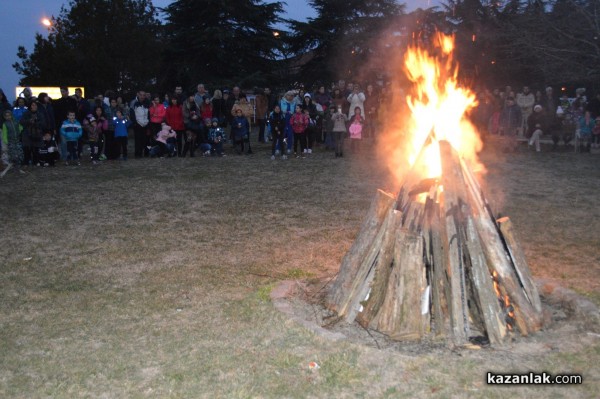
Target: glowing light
276	34
439	105
46	22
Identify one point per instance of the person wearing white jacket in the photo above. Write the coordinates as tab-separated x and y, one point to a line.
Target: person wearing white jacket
356	99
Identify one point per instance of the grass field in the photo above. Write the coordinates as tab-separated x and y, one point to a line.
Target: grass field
150	278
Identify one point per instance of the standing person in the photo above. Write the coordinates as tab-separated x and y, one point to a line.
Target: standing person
83	105
12	149
178	92
4	105
174	118
94	135
216	138
240	129
121	134
46	109
33	126
157	113
356	128
536	127
61	107
219	108
109	134
356	99
71	132
585	129
371	106
310	108
277	123
19	109
193	125
525	101
206	109
339	130
299	122
139	116
201	94
288	106
510	118
101	129
262	106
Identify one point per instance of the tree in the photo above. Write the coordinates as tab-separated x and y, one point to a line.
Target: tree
99	44
224	42
342	37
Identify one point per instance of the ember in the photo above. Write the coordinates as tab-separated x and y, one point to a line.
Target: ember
434	260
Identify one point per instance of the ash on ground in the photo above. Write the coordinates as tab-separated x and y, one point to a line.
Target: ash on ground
565	328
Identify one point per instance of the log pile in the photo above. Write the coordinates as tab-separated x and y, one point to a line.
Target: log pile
434	261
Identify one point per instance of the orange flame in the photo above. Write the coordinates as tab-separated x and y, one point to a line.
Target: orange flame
438	104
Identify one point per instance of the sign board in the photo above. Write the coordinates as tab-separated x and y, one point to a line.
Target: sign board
53	91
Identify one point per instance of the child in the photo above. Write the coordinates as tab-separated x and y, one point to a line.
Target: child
204	143
596	134
71	131
48	152
121	134
355	129
216	137
339	131
299	122
162	142
277	123
12	150
239	130
94	132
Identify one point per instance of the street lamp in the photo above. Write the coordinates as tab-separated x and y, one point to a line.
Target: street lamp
46	22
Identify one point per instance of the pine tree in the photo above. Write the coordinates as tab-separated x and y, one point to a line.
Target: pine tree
341	38
99	44
221	42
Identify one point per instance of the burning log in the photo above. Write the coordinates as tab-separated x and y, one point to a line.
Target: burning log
434	261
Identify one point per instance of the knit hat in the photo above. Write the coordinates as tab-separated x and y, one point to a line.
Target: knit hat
537	108
215	120
307	95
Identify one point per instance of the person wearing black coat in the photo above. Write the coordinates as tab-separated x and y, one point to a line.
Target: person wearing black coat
277	122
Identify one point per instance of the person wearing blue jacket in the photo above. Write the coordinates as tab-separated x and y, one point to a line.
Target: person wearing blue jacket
71	132
121	125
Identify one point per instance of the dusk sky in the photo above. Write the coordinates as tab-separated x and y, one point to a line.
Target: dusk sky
21	19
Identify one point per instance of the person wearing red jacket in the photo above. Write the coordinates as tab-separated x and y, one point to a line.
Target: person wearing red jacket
299	122
156	113
174	116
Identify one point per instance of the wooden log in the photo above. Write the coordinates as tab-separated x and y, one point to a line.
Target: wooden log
382	268
520	263
485	295
400	315
440	285
361	284
527	318
337	296
453	216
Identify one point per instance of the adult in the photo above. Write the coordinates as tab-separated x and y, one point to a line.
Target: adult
4	106
287	106
178	92
219	107
201	94
45	108
356	99
174	116
525	101
83	106
156	114
261	103
33	125
138	114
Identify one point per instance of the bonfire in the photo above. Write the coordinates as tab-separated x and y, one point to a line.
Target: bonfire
433	260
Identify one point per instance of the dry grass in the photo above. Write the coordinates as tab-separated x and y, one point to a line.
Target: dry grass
150	278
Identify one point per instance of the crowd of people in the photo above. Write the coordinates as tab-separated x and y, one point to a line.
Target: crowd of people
574	119
41	131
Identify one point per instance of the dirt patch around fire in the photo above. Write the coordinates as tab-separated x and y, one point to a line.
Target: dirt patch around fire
571	323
